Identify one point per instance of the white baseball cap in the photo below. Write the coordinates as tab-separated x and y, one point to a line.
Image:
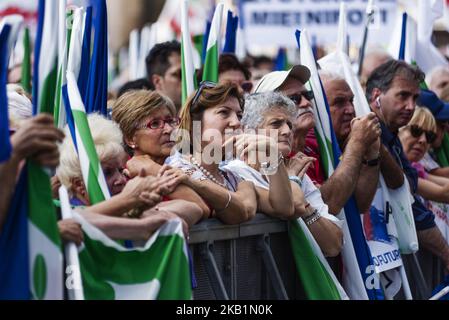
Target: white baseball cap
273	80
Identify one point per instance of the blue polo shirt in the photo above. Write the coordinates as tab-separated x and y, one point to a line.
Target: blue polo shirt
424	218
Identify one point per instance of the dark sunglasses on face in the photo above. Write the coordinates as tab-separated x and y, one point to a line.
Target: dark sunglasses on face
160	123
203	85
297	98
417	132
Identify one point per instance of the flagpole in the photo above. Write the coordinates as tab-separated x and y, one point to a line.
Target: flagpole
370	16
71	252
405	284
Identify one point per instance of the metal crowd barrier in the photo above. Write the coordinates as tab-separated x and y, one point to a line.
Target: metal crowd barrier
253	261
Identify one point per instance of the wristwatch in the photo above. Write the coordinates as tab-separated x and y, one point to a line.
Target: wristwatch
296	179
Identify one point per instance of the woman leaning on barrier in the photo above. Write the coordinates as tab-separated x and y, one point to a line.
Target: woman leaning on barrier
273	114
210	127
147	120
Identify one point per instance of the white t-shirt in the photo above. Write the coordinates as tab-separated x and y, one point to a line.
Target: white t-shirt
311	193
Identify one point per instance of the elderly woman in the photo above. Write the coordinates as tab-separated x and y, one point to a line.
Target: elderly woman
273	113
141	195
211	118
147	120
416	139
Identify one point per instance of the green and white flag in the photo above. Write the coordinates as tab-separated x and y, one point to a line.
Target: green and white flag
352	279
47	58
158	270
188	69
63	49
93	176
44	242
317	277
26	63
210	72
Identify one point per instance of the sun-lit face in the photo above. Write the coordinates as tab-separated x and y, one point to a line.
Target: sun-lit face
171	83
340	98
280	121
156	143
113	172
218	120
397	105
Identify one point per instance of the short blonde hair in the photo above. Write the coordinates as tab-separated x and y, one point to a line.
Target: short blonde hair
424	119
108	143
134	106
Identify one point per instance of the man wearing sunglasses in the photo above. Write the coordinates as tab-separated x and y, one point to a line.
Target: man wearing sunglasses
341	185
392	91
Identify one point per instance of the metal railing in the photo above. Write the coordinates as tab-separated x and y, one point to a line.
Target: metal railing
253	261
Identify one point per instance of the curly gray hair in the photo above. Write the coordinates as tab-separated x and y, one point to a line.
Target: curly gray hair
258	104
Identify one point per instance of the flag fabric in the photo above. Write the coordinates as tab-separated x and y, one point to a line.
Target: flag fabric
281	62
83	76
232	25
157	270
356	256
210	72
317	278
14	275
133	54
46	57
204	40
30	246
45	247
97	88
443	152
5	150
75	62
427	55
63	51
93	176
188	69
26	63
45	250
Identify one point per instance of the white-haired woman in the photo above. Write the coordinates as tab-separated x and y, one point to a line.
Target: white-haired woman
273	114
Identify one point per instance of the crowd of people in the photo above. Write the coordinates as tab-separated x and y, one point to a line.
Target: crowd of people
201	160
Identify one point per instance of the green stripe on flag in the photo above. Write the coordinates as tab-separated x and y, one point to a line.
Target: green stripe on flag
210	72
317	283
48	92
41	210
93	186
26	64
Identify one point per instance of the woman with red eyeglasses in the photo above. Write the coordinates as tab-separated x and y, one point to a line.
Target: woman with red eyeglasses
147	120
416	139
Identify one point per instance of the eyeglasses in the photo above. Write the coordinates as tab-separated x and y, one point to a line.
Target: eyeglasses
417	132
203	85
160	123
297	98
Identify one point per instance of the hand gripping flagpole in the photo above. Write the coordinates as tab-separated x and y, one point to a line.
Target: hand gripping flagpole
74	285
370	17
